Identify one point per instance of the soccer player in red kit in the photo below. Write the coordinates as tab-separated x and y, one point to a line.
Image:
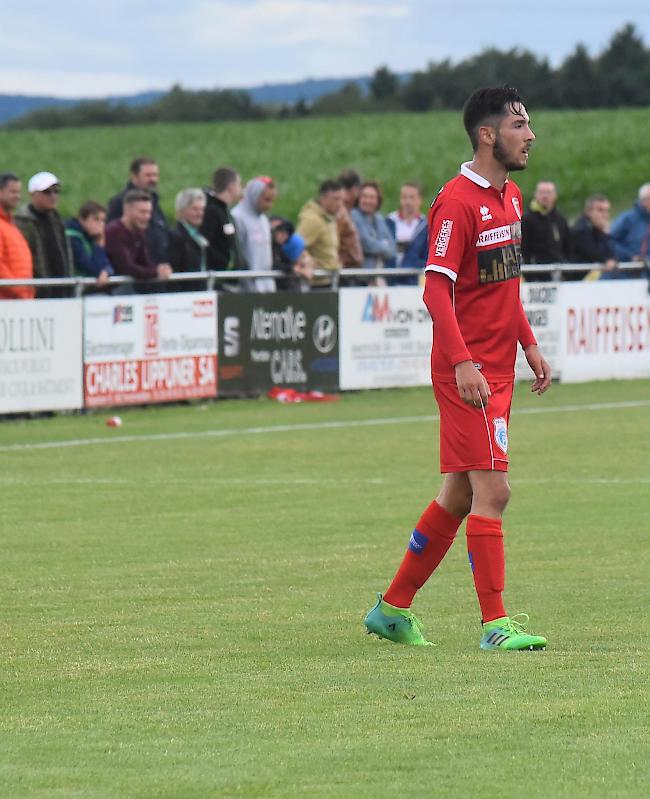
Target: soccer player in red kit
472	294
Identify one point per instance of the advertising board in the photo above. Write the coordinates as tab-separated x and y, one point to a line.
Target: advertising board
385	337
150	348
605	330
40	355
285	340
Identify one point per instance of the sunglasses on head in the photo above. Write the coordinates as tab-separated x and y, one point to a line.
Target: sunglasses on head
52	190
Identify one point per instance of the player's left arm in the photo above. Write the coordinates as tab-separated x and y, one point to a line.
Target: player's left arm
539	365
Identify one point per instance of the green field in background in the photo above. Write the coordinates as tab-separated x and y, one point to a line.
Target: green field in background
181	617
584	152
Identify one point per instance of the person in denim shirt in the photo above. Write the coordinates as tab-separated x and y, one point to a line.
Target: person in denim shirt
408	226
376	241
630	231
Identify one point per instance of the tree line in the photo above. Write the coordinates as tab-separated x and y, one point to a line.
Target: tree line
618	76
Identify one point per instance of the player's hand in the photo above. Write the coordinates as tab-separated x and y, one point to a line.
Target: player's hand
540	367
472	386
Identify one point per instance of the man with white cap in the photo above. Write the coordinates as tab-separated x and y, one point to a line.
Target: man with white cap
42	226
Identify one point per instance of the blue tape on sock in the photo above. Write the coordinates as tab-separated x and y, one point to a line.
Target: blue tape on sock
418	542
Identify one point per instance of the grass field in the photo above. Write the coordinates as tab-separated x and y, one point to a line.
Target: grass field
585	152
181	605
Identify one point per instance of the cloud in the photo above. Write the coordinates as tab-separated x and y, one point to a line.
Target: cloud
288	22
70	49
71	83
255	41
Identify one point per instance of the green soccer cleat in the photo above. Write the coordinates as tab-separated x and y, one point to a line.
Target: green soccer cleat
395	624
509	635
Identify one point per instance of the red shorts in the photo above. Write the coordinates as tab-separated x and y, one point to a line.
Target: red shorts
473	438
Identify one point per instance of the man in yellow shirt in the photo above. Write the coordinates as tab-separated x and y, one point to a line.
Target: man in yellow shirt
318	227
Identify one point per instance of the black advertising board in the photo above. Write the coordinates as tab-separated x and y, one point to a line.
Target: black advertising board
278	340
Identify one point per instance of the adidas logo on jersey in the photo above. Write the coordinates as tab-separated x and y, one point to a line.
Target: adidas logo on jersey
485	213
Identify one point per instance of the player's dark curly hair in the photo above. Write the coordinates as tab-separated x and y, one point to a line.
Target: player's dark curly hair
486	105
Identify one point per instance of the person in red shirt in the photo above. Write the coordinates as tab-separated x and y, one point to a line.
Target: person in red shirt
472	294
126	245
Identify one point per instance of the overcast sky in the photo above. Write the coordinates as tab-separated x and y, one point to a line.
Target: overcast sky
76	49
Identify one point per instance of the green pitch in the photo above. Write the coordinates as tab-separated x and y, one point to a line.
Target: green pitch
182	616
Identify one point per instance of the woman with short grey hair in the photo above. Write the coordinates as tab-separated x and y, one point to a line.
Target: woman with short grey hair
186	198
187	247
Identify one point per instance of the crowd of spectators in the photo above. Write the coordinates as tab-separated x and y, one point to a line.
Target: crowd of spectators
547	237
226	226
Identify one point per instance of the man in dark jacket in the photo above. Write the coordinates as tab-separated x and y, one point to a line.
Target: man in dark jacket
545	237
590	239
40	223
218	226
144	176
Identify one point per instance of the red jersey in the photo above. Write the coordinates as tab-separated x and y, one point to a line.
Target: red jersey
475	239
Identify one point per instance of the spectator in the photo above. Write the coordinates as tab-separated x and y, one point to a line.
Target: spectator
631	230
254	231
544	231
590	239
187	246
86	236
144	176
350	253
43	228
317	224
407	225
15	255
376	241
290	256
126	244
218	225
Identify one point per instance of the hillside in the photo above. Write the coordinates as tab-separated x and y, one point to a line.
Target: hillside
13	106
584	152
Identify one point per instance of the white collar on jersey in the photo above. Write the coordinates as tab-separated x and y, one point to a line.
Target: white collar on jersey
474	176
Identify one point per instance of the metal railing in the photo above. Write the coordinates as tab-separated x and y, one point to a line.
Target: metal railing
337	278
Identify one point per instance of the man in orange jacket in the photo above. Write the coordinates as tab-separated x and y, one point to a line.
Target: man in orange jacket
15	255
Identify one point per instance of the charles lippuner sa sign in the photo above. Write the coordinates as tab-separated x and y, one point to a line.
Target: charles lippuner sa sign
151	348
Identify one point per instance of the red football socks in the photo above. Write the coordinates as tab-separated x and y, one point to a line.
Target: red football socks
487	559
429	543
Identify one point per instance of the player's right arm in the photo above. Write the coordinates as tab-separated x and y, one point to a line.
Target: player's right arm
451	234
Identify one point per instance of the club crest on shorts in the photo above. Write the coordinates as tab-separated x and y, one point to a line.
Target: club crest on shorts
501	433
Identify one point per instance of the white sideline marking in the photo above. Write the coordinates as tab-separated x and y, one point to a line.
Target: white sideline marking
292	428
234	481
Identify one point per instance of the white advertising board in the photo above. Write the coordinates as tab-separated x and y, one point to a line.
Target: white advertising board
150	348
605	330
40	355
541	302
385	338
